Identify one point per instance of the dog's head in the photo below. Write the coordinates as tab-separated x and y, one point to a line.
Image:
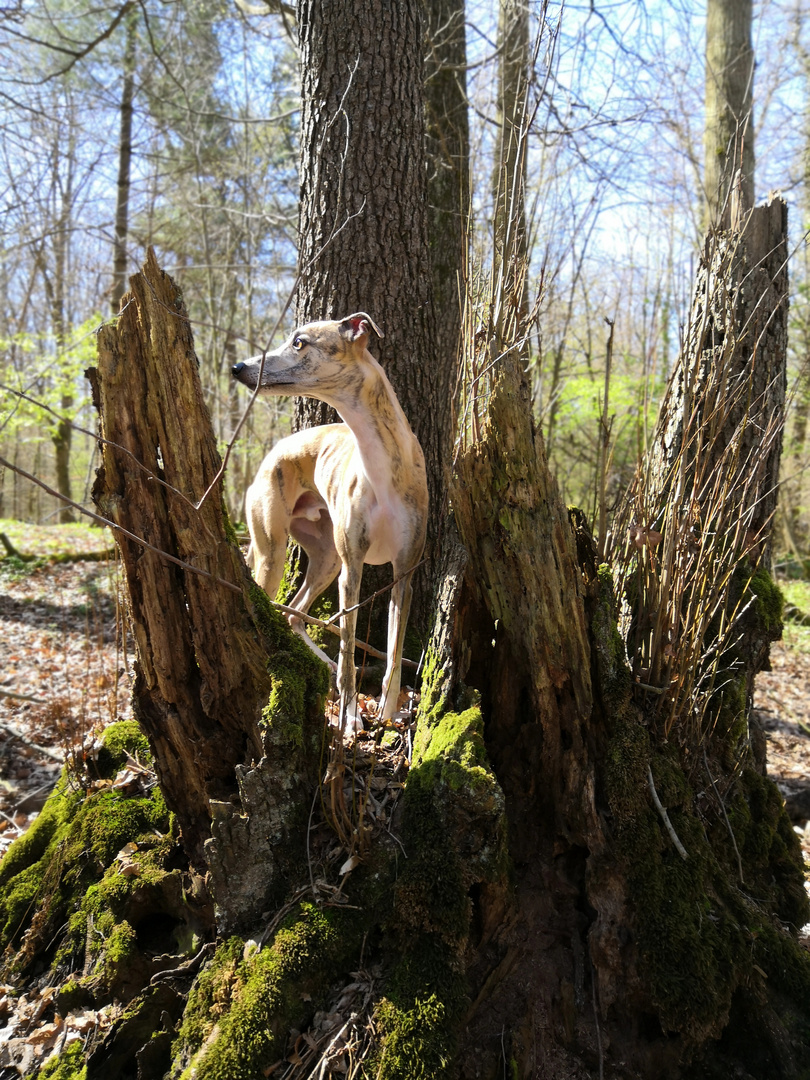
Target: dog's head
317	360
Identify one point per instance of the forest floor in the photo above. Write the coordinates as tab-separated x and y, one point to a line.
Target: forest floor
64	648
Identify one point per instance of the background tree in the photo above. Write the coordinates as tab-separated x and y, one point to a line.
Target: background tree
362	86
729	137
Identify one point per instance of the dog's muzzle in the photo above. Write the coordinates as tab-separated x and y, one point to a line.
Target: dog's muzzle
236	369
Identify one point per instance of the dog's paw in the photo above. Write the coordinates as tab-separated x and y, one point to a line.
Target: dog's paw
347	719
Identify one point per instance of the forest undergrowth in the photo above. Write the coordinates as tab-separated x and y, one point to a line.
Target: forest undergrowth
65	666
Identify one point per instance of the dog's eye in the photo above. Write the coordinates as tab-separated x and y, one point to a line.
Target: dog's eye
298	344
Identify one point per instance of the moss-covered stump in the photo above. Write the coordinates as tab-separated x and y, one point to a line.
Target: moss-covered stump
713	941
243	1006
454	834
88	892
255	848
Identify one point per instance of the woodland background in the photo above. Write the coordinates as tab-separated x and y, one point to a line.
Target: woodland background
614	200
588	868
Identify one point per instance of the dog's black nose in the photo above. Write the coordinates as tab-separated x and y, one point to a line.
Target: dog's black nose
237	368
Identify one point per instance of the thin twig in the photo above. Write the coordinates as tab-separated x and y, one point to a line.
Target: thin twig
324	1060
725	815
664	816
377	653
119	528
379	592
23	697
44	750
596	1019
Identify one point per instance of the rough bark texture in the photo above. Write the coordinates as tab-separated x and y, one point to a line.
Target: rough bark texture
714	461
509	178
202	677
510	515
731	377
448	154
729	131
519	633
124	170
364	214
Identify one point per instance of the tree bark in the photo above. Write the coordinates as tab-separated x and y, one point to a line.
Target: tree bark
710	486
124	170
729	130
364	216
448	160
202	677
510	246
55	291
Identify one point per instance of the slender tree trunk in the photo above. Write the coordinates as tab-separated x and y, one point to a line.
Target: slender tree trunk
729	132
448	156
509	176
124	170
63	434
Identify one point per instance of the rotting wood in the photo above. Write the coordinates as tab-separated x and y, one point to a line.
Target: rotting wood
201	674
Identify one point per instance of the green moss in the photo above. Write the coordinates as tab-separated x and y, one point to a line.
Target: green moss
291	577
416	1044
614	675
770	850
209	996
230	531
121	945
450	786
240	1010
69	1065
699	934
770	602
695	931
120	739
55	872
625	769
300	679
454	833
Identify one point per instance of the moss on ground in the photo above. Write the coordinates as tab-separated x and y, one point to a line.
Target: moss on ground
69	1065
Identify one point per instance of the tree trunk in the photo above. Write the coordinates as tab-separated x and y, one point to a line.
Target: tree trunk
710	486
63	433
510	249
124	169
729	131
202	676
448	181
364	218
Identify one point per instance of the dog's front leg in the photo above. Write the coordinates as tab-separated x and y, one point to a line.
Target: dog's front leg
349	589
398	609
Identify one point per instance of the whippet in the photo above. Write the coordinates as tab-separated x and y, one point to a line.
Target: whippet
349	494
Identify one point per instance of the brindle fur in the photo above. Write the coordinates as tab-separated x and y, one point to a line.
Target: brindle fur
349	494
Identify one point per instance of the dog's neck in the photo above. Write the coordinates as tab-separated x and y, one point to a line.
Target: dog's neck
381	430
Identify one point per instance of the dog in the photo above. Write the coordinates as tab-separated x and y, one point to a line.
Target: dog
349	493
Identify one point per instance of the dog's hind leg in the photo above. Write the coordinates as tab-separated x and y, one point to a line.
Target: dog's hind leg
315	537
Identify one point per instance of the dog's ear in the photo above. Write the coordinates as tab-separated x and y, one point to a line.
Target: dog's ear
358	325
